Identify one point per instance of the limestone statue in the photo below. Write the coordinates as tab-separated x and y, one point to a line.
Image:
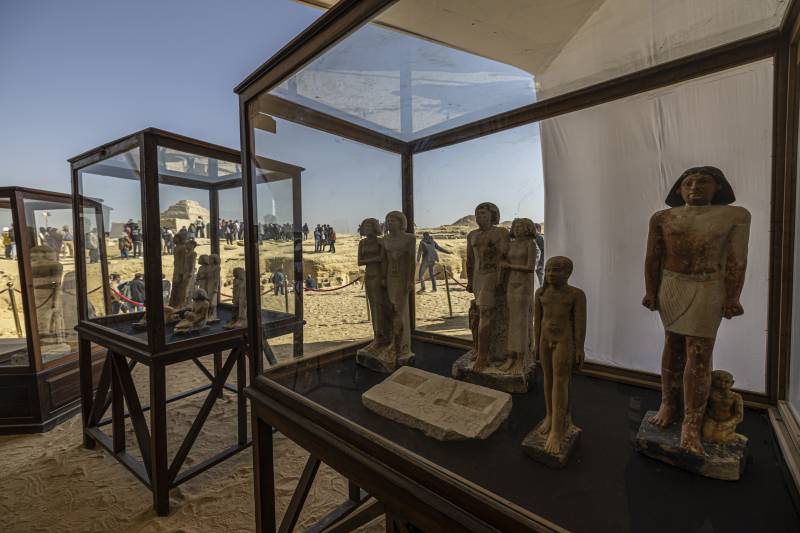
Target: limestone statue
372	256
208	279
487	248
694	273
559	325
398	278
47	273
523	255
724	412
500	315
184	260
196	319
239	319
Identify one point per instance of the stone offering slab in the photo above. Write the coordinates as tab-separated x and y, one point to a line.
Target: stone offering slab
441	407
720	461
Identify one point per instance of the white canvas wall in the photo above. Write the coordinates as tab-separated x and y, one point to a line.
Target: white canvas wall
608	169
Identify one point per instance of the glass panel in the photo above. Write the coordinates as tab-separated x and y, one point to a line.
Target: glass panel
404	86
195	265
505	169
425	67
13	343
343	183
111	222
793	395
49	226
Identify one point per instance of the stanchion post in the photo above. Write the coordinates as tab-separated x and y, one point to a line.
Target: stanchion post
447	288
14	308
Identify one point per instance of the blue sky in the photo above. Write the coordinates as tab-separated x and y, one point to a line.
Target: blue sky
76	74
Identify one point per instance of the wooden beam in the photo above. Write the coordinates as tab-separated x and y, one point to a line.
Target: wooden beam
331	27
692	66
300	114
299	496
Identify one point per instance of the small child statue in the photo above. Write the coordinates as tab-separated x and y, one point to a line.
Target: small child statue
725	410
559	324
196	319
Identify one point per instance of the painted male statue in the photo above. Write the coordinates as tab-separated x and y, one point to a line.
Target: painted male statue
694	273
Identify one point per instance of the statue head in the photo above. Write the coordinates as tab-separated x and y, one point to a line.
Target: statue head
203	259
199	295
214	259
370	227
238	273
523	228
721	380
396	222
701	186
487	215
557	271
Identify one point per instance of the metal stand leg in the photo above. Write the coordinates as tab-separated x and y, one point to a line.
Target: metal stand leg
158	438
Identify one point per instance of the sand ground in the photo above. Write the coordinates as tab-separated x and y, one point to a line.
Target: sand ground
51	483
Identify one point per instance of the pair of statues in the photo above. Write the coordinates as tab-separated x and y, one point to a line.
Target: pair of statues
204	296
47	274
388	263
501	268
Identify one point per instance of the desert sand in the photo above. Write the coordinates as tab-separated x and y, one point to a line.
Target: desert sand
50	482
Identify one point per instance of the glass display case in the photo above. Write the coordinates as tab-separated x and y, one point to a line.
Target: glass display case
486	129
38	341
161	263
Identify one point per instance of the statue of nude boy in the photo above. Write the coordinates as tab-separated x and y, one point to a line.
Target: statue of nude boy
694	273
559	325
725	410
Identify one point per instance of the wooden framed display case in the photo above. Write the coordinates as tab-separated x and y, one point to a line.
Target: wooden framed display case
327	81
153	210
39	385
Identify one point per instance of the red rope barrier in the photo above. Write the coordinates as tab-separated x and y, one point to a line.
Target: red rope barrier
334	289
115	291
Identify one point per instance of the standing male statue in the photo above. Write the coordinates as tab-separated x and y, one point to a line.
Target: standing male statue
487	248
694	273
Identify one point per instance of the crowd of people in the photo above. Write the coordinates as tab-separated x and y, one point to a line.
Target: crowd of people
324	235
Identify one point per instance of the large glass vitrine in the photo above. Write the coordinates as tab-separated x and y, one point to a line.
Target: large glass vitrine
38	341
161	255
579	119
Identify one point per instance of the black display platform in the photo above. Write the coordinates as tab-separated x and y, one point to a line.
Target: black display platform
225	315
607	486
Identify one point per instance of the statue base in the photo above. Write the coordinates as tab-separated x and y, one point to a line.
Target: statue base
533	446
376	360
190	330
442	408
493	377
720	461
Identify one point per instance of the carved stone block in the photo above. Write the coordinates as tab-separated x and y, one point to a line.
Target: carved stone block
440	407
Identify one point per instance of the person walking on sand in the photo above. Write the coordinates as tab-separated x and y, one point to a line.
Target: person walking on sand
317	238
331	240
68	242
278	282
427	257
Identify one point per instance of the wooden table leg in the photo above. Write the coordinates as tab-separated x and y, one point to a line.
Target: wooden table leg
241	383
159	476
264	476
85	369
117	409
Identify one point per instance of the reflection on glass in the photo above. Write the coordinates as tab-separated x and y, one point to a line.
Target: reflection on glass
49	227
111	225
202	241
13	344
343	183
505	169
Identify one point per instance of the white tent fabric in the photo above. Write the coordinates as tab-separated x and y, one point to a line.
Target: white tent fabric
608	169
